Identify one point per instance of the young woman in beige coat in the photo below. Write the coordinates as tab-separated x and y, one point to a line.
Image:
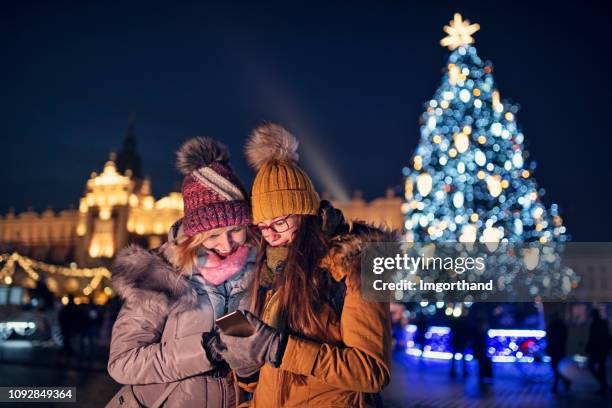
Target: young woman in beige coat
173	294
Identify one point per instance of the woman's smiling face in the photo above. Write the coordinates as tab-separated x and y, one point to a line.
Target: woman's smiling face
226	240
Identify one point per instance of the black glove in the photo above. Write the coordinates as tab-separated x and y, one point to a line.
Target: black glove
332	219
212	343
246	355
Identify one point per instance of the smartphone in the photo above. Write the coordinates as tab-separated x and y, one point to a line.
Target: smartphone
235	324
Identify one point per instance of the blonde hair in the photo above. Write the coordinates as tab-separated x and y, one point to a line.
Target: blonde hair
187	251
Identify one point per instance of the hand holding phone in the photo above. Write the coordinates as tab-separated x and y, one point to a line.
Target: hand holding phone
235	324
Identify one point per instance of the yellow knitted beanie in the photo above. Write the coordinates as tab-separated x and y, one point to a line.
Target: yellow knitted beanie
280	187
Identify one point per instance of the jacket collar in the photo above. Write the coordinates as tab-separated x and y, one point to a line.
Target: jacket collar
138	269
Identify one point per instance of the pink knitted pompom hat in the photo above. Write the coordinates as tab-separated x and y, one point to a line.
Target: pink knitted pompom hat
213	195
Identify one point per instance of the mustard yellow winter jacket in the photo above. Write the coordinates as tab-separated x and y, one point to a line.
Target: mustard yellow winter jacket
349	372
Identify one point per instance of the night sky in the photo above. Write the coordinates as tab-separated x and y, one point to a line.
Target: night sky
348	78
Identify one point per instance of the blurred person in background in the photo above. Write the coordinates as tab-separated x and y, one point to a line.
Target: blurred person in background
556	342
597	349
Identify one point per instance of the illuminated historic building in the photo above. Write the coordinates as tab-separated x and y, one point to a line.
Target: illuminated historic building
382	211
118	208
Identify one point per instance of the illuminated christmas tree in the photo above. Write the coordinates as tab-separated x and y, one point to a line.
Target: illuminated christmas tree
471	179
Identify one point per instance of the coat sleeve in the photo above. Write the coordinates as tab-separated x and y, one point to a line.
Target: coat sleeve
362	363
137	354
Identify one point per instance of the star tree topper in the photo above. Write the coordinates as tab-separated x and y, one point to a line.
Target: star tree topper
459	33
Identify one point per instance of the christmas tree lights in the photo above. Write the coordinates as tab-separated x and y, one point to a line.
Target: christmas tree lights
471	180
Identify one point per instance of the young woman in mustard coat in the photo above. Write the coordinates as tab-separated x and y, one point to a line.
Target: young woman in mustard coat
316	342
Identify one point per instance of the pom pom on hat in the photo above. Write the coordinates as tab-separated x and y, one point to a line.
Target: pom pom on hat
280	186
270	142
199	152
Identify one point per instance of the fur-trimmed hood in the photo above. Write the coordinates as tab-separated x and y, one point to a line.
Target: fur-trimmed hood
343	260
154	271
136	268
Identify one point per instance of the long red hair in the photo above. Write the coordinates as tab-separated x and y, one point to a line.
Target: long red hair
303	289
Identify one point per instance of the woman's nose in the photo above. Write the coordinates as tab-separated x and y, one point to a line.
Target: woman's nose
225	242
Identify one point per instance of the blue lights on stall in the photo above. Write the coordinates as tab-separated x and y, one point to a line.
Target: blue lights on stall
504	345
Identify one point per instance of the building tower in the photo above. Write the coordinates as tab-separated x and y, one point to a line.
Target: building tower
128	157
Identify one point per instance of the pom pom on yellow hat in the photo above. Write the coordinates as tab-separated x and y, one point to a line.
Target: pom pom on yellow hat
280	187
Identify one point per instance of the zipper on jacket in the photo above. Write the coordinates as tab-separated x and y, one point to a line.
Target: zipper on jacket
222	393
226	299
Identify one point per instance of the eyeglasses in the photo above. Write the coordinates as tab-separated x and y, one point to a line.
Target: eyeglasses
278	226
